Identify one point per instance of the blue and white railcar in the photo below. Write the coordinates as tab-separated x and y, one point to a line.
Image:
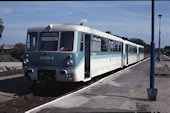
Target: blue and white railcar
140	52
73	53
131	53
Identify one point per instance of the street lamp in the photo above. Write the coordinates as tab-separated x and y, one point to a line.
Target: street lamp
152	91
159	36
1	27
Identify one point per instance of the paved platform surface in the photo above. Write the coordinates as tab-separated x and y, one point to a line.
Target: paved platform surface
11	87
163	66
124	91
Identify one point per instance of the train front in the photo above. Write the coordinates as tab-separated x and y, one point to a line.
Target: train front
50	55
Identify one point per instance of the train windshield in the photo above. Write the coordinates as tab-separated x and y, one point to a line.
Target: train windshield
31	42
48	41
66	41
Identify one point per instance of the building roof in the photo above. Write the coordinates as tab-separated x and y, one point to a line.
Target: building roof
167	47
7	46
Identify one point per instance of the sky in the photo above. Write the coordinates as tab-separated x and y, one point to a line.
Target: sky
130	19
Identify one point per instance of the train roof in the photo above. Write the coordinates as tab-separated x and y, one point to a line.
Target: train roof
75	27
58	27
131	43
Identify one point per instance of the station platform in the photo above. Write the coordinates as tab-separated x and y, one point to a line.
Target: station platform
162	67
123	91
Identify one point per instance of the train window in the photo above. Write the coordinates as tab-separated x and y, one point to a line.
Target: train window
31	42
81	43
135	49
116	46
129	48
121	45
110	45
28	43
141	50
96	43
66	41
103	44
48	41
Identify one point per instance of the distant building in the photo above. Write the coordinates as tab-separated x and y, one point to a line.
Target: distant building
6	49
167	50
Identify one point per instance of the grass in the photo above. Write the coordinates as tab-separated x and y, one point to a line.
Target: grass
8	58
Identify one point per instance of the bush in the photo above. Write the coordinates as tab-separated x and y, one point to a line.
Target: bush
7	58
18	50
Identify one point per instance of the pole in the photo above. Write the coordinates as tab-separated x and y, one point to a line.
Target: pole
152	92
159	37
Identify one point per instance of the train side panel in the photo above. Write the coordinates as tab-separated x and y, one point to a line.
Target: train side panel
104	62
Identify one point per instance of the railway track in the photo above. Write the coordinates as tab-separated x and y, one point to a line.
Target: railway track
46	94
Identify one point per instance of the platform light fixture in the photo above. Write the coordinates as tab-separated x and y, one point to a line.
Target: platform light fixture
159	36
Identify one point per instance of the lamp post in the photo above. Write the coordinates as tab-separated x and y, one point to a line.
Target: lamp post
1	27
159	36
152	92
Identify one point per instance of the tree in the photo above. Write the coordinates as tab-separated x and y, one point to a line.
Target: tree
137	41
18	50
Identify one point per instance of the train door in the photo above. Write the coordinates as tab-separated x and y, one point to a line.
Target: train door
138	57
122	55
87	55
126	54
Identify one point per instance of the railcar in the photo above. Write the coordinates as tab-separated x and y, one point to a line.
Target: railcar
74	53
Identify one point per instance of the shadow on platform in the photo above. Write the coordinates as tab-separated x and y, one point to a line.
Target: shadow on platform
14	86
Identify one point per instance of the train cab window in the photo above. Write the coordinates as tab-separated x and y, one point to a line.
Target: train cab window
66	41
48	41
96	43
31	42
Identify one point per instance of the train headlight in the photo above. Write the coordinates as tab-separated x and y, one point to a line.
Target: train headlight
69	62
25	61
